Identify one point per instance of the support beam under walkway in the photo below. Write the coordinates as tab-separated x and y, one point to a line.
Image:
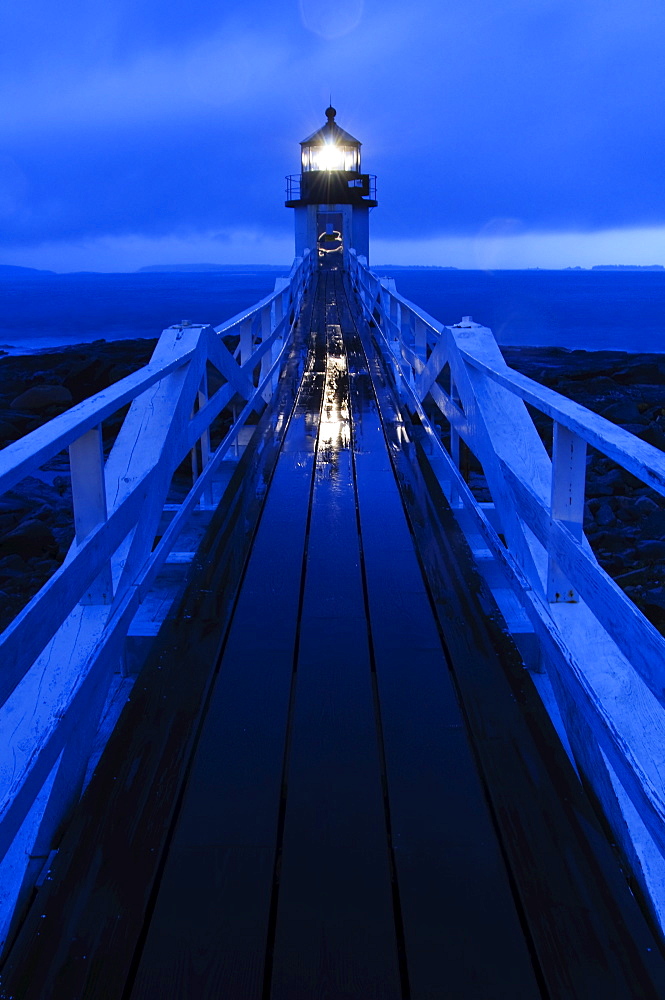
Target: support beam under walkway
334	778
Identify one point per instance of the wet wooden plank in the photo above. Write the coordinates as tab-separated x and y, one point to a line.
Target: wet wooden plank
586	930
230	808
335	931
211	934
455	897
95	903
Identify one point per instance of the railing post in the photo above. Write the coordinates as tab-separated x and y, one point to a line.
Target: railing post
278	306
266	331
86	463
567	502
202	397
245	341
455	499
406	327
420	339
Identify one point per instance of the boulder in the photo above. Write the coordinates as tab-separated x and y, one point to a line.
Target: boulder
651	549
31	538
42	397
607	484
653	435
31	491
627	515
12	503
13	568
605	516
63	486
617	563
653	525
645	505
8	522
614	541
623	411
651	373
656	595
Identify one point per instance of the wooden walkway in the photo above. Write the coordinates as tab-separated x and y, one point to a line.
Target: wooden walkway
335	780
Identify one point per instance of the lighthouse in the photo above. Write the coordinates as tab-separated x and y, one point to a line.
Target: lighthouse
331	197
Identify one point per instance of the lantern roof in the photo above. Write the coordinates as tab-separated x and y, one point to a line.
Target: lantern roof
331	133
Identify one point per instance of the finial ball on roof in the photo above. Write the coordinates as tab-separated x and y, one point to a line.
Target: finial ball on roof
330	113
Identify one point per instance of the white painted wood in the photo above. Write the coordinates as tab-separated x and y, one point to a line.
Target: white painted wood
15	874
22	457
86	464
180	558
58	655
206	498
605	662
32	629
616	693
35	715
642	459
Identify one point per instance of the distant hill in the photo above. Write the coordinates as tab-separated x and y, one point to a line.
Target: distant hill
628	267
26	272
188	268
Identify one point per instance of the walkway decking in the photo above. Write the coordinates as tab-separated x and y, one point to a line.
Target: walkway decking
339	783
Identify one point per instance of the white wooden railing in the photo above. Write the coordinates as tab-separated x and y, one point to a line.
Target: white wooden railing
599	664
58	656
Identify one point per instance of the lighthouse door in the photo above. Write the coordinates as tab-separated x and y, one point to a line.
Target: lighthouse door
330	243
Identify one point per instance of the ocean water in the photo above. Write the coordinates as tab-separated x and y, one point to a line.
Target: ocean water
40	311
592	310
588	310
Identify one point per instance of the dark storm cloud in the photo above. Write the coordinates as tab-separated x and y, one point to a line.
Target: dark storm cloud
142	117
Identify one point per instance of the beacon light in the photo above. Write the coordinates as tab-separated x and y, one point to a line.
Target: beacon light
328	157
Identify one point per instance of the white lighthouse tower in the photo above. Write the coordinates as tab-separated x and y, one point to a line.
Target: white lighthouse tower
331	197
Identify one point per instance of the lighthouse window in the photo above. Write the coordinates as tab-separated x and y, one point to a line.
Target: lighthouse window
351	159
330	157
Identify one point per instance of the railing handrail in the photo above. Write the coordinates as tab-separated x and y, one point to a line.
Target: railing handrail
605	662
642	459
70	635
639	457
29	452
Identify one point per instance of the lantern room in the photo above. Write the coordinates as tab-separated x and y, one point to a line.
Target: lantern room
330	148
331	197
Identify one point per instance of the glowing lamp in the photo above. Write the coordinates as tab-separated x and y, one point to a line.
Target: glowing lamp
330	148
328	157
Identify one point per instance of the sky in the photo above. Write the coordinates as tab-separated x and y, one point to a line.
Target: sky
503	133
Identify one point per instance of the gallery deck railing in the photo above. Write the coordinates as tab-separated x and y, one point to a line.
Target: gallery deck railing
599	663
58	656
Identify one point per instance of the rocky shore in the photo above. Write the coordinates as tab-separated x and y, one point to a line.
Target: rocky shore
624	520
36	522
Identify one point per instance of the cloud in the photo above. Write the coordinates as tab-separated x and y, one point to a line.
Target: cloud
489	251
136	117
225	71
130	251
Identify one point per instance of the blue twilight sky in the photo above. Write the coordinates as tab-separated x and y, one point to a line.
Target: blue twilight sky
504	133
